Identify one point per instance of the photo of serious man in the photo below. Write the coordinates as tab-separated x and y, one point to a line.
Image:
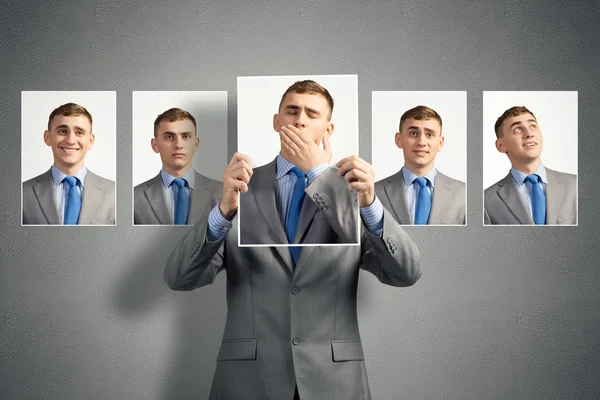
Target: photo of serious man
419	194
69	193
292	328
178	194
530	193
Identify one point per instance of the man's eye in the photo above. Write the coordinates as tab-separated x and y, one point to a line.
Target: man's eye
169	137
534	127
430	135
518	129
62	131
412	133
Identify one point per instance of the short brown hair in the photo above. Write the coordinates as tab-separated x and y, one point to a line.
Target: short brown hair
310	87
172	115
514	111
419	113
69	109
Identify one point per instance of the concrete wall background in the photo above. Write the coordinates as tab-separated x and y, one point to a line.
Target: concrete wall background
500	313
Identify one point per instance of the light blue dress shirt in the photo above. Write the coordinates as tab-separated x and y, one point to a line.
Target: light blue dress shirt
218	226
171	191
412	190
61	189
526	188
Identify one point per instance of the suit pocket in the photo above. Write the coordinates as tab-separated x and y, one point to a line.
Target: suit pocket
237	349
347	350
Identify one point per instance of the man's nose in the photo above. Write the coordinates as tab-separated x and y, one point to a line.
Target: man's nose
300	120
528	132
72	136
421	140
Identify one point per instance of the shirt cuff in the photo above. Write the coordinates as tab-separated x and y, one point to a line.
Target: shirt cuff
314	172
373	217
218	225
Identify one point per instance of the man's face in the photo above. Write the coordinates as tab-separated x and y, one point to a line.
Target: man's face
307	112
70	138
176	142
521	139
420	140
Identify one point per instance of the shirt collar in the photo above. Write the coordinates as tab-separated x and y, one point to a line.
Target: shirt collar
283	166
409	177
519	176
167	178
58	175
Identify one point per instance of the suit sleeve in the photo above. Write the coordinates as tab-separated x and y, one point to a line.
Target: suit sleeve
393	258
330	193
194	262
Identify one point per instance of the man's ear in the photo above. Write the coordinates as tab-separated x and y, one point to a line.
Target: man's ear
398	140
500	146
329	130
92	141
441	146
154	144
47	138
276	126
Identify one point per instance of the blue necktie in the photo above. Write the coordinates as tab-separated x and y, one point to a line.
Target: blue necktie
183	202
538	201
293	214
73	205
423	202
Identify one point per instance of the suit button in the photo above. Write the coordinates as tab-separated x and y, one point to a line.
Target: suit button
325	208
316	196
295	341
295	290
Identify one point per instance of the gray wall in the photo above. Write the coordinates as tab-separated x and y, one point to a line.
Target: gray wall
500	313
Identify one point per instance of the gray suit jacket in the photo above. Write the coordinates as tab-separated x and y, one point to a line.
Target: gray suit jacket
97	203
332	216
447	204
291	326
150	205
503	204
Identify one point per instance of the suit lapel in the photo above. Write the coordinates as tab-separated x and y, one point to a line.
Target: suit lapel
305	254
554	191
285	256
439	202
307	213
92	192
156	199
200	198
394	190
510	196
264	194
44	193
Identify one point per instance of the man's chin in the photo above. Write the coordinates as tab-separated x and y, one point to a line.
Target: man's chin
178	166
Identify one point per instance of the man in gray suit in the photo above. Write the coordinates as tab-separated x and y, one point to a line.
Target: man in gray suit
530	193
68	193
178	194
292	329
419	193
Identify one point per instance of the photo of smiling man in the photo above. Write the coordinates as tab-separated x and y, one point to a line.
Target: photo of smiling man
419	193
188	134
68	193
531	193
